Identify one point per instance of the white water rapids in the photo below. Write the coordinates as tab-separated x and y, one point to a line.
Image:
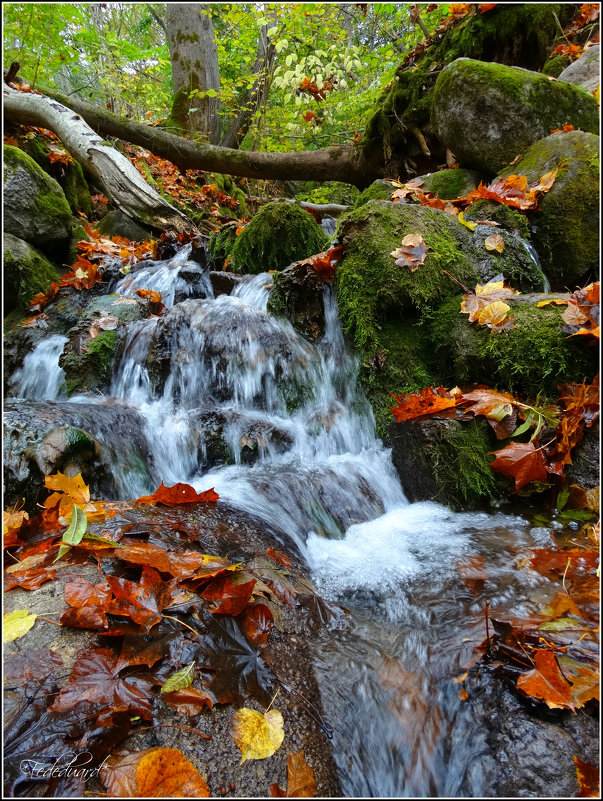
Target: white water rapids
322	477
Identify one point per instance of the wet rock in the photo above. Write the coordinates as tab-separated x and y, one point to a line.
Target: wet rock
565	231
585	71
26	272
35	208
117	223
104	443
488	113
585	466
297	295
223	282
445	460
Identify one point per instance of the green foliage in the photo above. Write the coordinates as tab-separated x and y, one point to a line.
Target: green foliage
279	234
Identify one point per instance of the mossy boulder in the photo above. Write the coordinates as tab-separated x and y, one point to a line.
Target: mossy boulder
35	208
89	370
279	234
487	114
532	358
386	309
297	296
450	184
378	190
566	229
520	34
26	272
510	219
117	223
446	461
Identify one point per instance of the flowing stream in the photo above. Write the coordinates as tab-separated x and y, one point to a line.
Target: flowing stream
300	439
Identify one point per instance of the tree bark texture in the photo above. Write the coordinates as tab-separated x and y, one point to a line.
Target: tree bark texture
120	180
194	57
345	163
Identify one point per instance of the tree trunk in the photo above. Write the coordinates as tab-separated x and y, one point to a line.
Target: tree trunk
344	163
257	95
121	181
194	58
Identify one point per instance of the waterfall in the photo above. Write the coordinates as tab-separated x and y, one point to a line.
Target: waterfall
40	377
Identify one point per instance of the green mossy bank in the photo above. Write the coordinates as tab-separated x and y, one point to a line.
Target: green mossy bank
26	272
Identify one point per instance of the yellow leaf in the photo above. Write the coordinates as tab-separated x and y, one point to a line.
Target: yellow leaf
494	313
470	225
257	735
547	181
16	624
556	301
491	286
495	242
13	520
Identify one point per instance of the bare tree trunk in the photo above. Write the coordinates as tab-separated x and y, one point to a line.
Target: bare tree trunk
121	181
345	163
257	95
194	58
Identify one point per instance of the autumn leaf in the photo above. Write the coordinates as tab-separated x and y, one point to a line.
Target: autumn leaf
257	735
68	491
418	404
495	316
301	782
232	591
278	557
153	773
588	778
179	493
523	461
188	701
180	680
412	253
489	403
11	524
486	295
495	242
94	680
181	563
257	622
547	682
16	624
145	599
309	116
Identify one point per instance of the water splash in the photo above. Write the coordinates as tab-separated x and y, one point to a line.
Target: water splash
40	377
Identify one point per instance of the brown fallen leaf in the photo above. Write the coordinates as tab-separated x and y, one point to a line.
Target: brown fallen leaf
547	682
301	782
495	242
153	773
412	253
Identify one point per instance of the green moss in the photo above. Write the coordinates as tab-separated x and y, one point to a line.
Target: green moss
508	218
461	465
566	229
378	190
554	66
450	184
26	272
532	358
371	288
279	234
78	234
92	369
327	192
220	245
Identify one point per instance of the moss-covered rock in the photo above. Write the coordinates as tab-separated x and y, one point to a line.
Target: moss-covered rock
229	187
35	208
279	234
326	192
116	223
446	461
450	184
510	219
487	114
221	243
555	65
378	190
297	296
519	34
532	358
90	370
26	272
566	229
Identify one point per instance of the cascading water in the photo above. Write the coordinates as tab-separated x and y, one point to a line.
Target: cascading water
322	477
40	377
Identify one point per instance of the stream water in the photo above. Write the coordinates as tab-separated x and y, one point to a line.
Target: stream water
321	476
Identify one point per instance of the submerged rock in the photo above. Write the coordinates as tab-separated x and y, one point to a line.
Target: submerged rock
35	208
565	230
279	234
487	114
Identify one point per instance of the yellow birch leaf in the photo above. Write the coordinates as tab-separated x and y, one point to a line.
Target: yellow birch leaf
257	735
494	313
495	242
16	624
470	225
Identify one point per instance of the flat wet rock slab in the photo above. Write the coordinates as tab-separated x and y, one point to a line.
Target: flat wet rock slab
231	668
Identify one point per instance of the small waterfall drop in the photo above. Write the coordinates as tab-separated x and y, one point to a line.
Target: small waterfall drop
40	377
